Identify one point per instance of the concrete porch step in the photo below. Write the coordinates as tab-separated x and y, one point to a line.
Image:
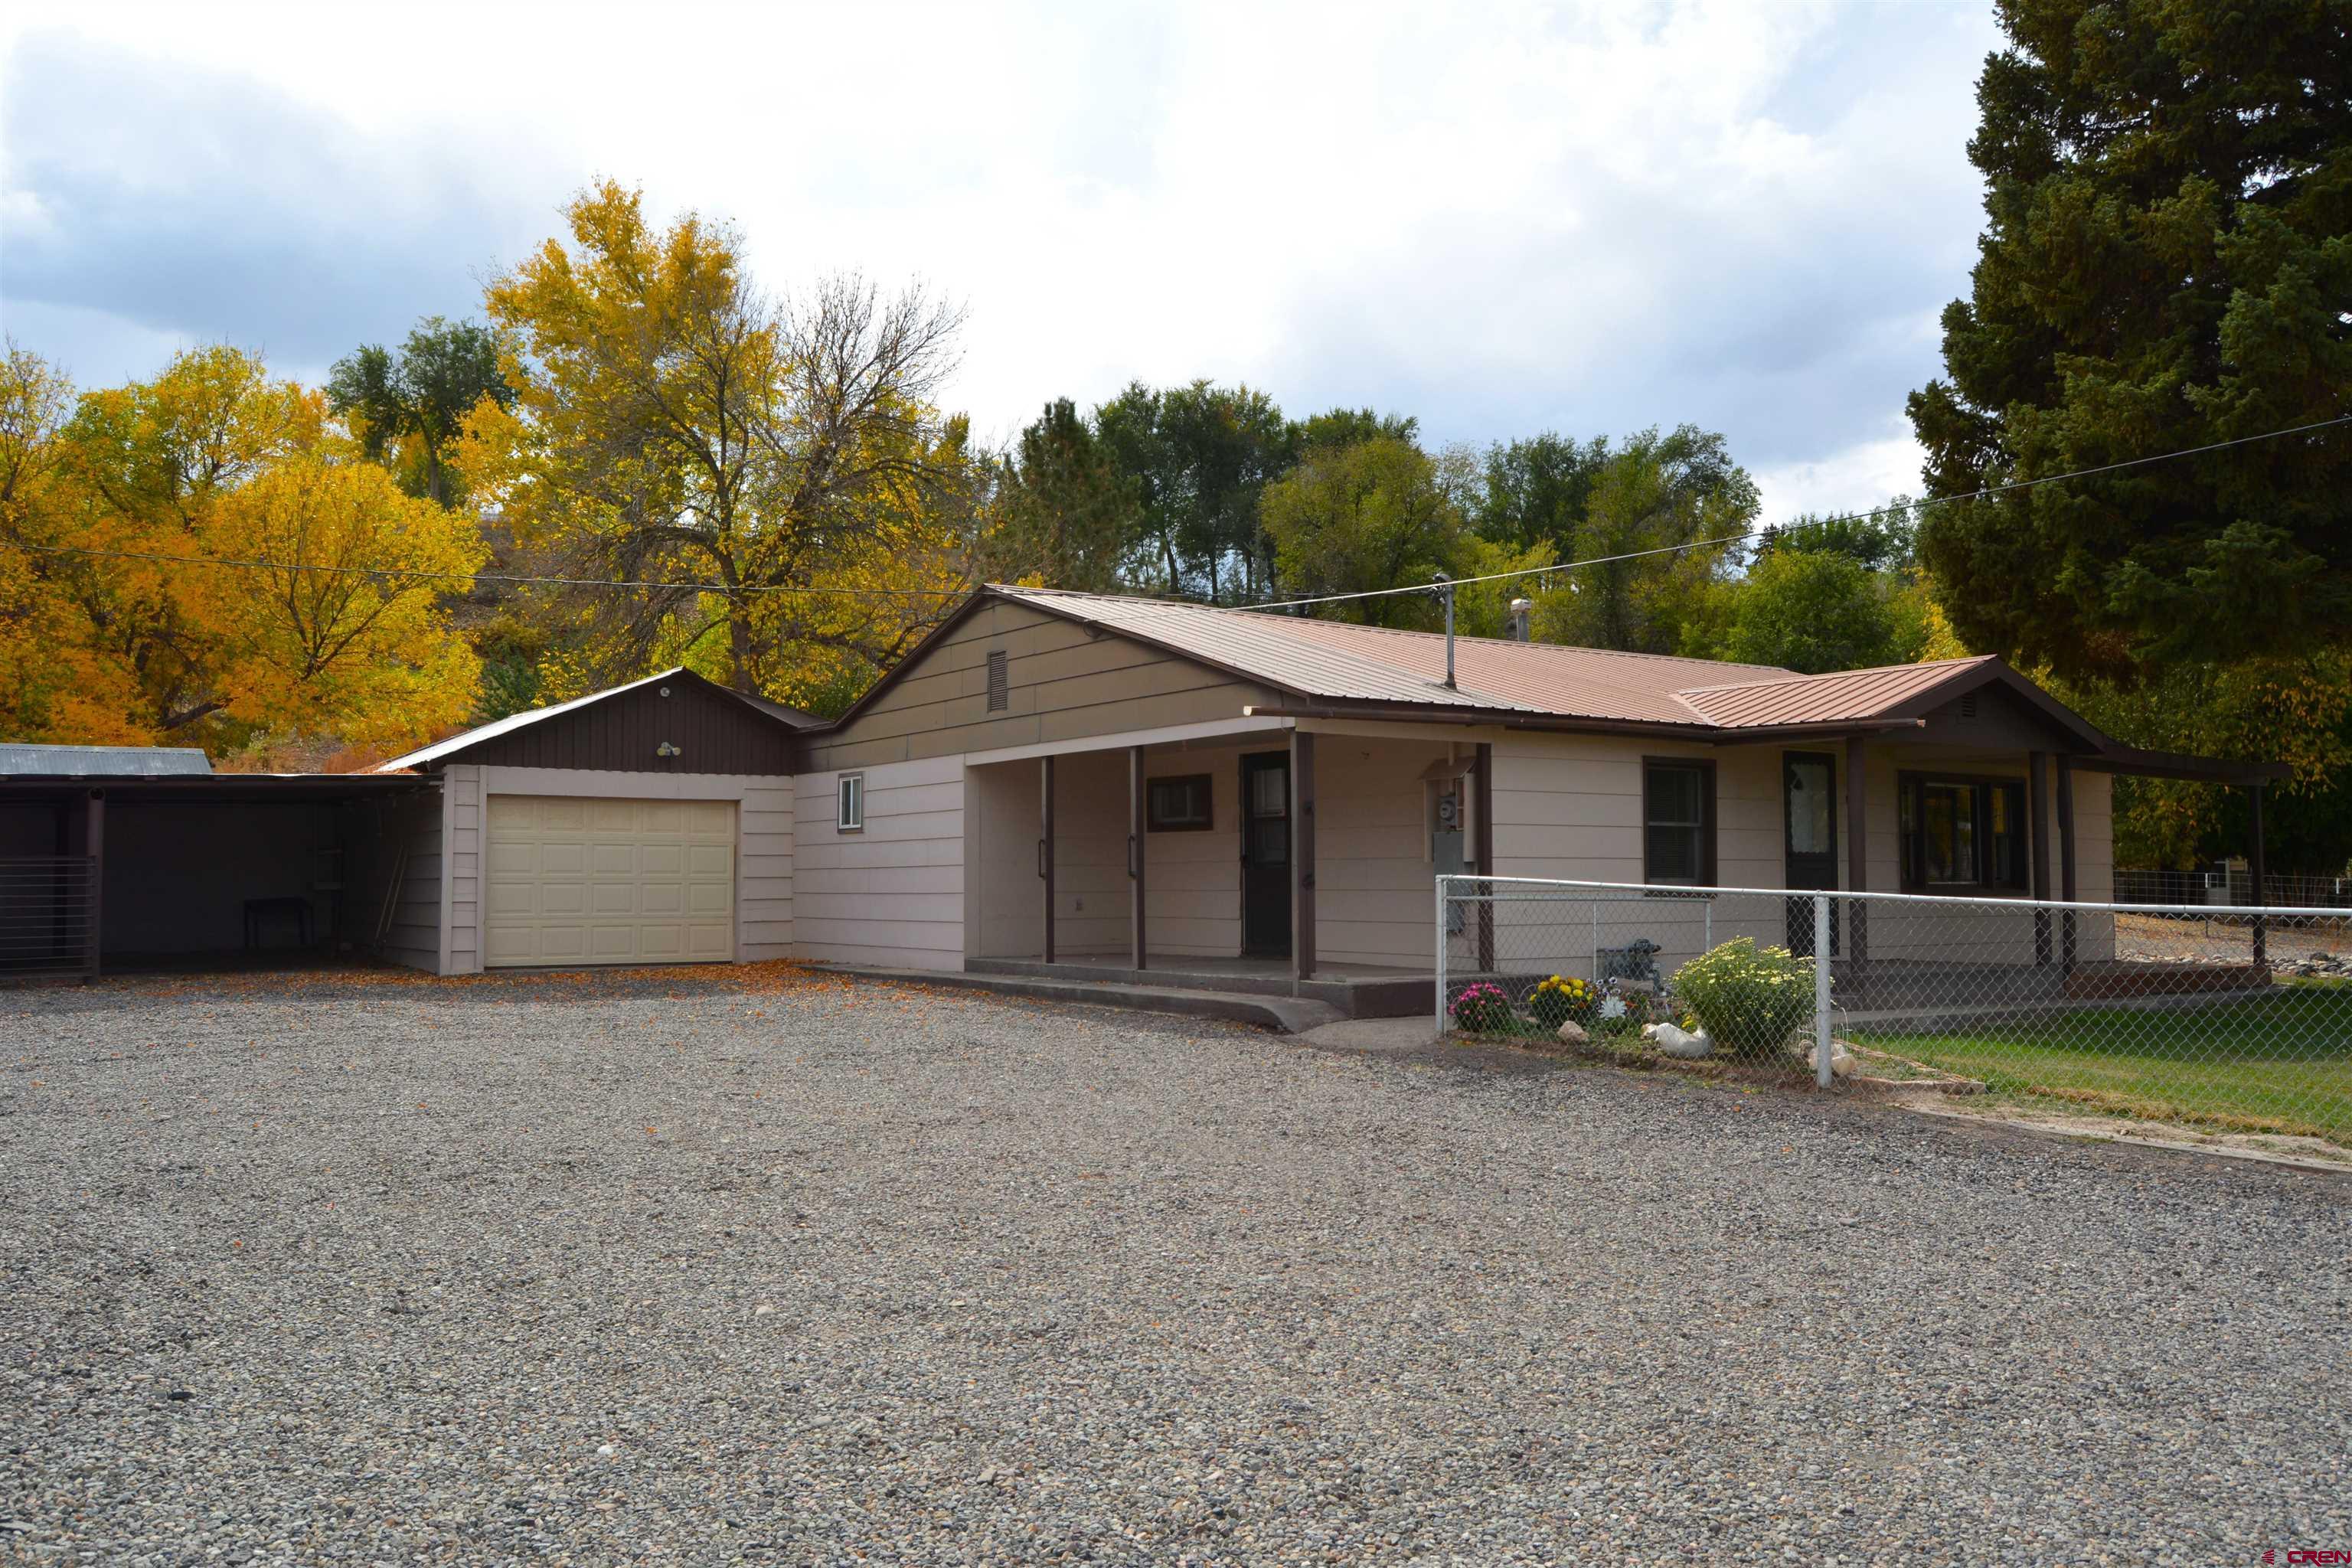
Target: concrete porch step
1353	995
1285	1015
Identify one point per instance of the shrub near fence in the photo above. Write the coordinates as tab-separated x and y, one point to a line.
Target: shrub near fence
2234	1018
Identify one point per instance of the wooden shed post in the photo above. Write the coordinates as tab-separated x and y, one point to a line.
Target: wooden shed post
93	847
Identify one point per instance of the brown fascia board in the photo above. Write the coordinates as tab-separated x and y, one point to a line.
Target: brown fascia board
1565	725
2131	760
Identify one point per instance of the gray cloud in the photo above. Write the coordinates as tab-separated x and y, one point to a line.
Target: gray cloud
207	206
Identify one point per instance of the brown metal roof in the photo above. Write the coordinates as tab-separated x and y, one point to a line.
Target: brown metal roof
1336	661
1856	694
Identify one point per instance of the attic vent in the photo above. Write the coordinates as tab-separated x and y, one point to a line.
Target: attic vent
1969	705
1000	683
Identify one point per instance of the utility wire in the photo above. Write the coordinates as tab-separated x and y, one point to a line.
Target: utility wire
473	576
813	590
1811	522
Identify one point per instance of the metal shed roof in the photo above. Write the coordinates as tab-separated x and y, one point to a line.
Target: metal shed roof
28	759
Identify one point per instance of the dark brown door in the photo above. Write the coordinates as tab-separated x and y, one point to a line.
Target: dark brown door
1809	815
1265	854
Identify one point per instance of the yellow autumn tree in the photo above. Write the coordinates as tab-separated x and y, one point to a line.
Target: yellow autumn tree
345	632
782	468
169	576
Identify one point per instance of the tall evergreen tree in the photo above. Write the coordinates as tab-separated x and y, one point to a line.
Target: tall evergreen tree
2166	264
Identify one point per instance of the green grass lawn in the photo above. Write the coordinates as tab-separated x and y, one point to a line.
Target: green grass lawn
2280	1064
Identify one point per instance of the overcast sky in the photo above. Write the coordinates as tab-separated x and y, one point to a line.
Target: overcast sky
1503	219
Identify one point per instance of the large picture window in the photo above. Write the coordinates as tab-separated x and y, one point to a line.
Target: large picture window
1677	821
1965	833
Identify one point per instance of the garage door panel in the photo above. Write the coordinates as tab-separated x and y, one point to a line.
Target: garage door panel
609	881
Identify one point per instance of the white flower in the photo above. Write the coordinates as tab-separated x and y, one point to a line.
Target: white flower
1613	1008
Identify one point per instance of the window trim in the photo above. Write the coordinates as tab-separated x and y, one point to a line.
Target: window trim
1911	857
1153	823
1709	819
842	821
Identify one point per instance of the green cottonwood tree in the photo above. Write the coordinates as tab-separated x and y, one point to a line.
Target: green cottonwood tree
408	409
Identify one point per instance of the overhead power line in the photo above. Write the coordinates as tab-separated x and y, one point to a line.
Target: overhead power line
1808	522
829	591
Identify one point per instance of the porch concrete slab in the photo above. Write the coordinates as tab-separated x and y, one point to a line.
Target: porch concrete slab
1383	1037
1285	1015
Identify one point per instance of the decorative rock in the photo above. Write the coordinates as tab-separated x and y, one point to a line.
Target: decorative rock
1673	1041
1572	1033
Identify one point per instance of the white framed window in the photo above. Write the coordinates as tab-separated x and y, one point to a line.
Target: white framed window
851	817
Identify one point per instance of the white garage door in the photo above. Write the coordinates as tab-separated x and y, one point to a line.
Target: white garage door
609	881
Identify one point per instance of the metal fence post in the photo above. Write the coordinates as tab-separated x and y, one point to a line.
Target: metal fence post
1821	989
1439	1005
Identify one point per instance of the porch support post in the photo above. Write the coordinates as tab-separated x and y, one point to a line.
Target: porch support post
1483	847
1046	845
2037	785
2066	886
1857	858
1302	854
2256	866
1135	827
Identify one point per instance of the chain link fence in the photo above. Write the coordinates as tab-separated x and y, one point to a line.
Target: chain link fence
2232	885
2226	1017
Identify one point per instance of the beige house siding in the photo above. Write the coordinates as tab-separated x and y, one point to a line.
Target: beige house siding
1065	683
461	868
1570	808
763	846
1194	878
1373	901
891	893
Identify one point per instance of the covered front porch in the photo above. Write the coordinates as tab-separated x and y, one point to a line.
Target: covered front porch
1261	858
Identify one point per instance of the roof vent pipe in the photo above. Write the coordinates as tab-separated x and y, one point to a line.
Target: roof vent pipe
1521	611
1443	586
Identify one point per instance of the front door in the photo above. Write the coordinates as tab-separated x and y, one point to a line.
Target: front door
1809	809
1265	854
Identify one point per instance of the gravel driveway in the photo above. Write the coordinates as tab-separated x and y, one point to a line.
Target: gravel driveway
749	1267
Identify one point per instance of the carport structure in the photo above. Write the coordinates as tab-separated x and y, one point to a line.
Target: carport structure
142	858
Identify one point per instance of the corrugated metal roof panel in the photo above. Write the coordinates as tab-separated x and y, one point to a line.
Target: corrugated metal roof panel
1339	662
28	759
1856	694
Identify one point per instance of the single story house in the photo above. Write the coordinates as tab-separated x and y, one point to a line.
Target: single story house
1096	785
